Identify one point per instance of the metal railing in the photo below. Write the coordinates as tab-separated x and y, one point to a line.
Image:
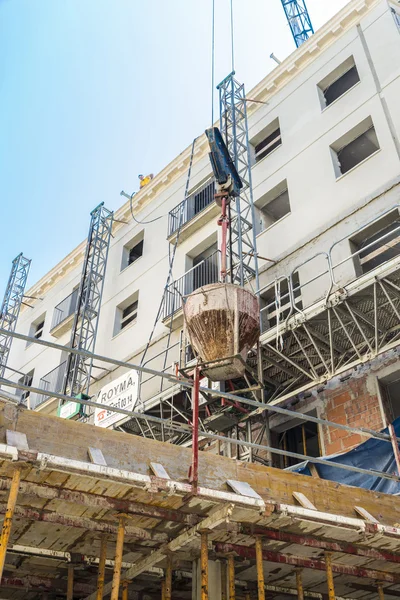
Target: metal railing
52	382
66	308
207	271
334	275
194	204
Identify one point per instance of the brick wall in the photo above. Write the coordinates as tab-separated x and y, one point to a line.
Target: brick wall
354	402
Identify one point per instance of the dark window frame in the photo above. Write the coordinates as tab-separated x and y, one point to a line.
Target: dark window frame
268	144
135	252
129	314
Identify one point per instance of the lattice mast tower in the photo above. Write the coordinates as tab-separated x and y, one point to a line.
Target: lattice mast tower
11	306
242	248
299	20
84	330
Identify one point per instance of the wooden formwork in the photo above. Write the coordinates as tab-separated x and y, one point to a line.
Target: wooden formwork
67	508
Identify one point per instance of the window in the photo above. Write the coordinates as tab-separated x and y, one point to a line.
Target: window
25	380
302	439
354	147
377	243
126	313
206	268
36	328
135	252
390	392
274	205
396	16
39	330
267	140
276	304
129	314
337	83
132	251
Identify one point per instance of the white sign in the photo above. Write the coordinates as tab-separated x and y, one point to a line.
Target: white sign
121	393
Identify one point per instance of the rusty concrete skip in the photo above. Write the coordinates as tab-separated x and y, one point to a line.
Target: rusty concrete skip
222	320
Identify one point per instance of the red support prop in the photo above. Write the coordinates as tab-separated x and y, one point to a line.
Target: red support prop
307	563
223	221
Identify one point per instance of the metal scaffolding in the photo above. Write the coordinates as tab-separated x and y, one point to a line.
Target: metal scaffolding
333	320
84	330
233	125
11	305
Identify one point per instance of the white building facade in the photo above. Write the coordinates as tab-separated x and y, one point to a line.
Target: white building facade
325	148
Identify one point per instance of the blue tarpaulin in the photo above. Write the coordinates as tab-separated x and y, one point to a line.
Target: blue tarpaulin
375	455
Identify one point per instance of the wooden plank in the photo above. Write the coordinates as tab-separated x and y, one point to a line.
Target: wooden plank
303	500
365	514
313	470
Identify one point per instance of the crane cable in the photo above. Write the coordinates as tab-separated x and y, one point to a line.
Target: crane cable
171	257
212	62
232	42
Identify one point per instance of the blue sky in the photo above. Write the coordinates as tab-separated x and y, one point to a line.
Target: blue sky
93	92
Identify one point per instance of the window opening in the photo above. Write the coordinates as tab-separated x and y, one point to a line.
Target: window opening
338	82
39	330
355	146
135	252
26	380
390	391
377	244
302	439
268	144
275	209
129	314
207	268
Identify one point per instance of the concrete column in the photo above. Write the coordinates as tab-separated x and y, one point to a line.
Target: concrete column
214	580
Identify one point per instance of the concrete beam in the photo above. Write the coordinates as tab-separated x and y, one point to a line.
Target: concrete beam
83	523
43	584
308	563
46	492
303	540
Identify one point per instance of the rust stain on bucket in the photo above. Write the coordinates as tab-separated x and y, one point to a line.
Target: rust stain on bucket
222	321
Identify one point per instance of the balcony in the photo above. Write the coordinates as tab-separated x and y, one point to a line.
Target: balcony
193	212
52	382
63	315
207	271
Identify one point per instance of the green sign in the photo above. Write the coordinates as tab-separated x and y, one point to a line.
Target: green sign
69	410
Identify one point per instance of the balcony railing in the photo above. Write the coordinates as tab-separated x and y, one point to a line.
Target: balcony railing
207	271
52	382
193	205
66	308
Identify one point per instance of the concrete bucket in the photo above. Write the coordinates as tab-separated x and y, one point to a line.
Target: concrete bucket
222	323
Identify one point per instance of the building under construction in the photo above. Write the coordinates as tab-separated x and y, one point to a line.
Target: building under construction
218	415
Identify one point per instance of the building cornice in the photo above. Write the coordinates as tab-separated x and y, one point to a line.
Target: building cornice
348	17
